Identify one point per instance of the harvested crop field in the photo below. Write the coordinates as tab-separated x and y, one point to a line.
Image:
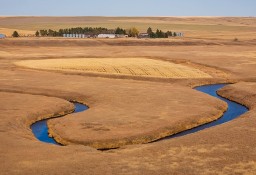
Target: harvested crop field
119	66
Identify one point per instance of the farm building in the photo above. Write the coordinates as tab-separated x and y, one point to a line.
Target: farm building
121	36
143	35
2	36
76	36
107	36
179	34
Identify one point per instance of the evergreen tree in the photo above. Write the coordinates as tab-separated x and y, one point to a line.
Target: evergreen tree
37	34
161	34
149	31
43	32
50	32
152	35
174	34
157	33
120	31
169	33
61	32
15	34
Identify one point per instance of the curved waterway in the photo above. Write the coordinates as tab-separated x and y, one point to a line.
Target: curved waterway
234	110
40	128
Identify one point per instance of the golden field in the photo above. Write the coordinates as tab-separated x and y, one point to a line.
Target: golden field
119	66
128	109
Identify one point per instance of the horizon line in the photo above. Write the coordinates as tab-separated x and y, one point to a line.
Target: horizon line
129	16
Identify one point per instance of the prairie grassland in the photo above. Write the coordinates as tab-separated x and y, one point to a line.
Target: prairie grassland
118	66
9	32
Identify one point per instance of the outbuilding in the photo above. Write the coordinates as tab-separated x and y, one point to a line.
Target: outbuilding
121	36
76	36
143	35
107	36
179	34
2	36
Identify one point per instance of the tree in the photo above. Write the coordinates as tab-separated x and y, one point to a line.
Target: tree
37	34
153	35
43	32
161	34
133	32
120	31
61	32
15	34
157	33
169	33
149	31
174	34
50	32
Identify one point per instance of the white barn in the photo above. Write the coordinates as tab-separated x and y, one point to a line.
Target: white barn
107	36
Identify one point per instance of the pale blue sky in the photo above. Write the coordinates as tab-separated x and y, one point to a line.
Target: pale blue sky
128	8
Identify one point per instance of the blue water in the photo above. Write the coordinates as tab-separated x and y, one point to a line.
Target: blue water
40	128
234	110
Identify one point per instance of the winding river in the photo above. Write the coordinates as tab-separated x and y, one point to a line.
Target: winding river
234	110
40	128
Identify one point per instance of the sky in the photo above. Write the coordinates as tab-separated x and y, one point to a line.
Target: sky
128	8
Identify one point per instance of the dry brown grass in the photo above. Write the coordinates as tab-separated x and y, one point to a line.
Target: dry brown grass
120	66
9	32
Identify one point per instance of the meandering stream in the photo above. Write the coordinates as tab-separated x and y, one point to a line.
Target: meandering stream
40	128
234	110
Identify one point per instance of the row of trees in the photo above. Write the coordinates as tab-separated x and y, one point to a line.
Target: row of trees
80	30
120	31
160	33
132	32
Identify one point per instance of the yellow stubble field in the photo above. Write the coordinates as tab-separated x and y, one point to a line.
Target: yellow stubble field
118	66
